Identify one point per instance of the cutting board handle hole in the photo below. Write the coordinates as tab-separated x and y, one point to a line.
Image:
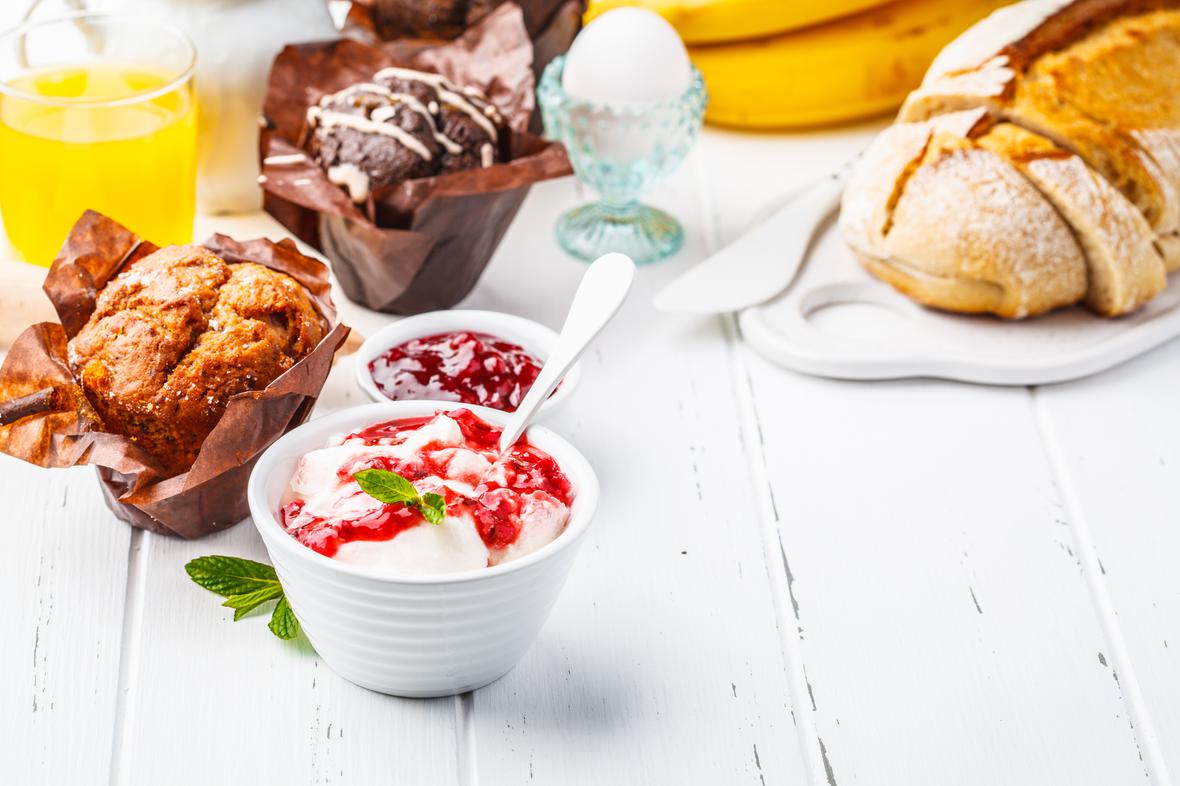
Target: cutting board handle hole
853	310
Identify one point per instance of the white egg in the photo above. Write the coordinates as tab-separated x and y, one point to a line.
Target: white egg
627	57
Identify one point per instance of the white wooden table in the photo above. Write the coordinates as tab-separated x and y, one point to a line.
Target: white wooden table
790	581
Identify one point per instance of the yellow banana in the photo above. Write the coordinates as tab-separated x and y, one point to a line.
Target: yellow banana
836	72
710	21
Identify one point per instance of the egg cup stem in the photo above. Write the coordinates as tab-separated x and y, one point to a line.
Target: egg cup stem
643	233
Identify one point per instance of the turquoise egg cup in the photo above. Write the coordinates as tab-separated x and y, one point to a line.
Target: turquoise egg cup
620	152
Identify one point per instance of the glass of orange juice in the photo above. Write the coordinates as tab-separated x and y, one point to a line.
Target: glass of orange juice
96	112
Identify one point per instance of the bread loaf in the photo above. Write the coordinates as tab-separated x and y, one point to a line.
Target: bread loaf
1063	187
963	228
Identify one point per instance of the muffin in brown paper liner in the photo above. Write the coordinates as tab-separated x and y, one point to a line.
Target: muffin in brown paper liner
421	244
60	429
551	24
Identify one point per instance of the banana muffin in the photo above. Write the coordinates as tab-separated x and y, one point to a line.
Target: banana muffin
179	333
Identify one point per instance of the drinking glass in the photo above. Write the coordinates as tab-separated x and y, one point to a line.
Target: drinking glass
96	112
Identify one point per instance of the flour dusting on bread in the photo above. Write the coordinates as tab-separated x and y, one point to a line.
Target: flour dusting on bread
969	213
1064	188
990	35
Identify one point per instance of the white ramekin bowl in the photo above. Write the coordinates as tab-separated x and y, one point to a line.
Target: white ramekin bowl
534	337
416	635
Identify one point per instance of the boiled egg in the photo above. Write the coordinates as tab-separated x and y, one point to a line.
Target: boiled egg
627	57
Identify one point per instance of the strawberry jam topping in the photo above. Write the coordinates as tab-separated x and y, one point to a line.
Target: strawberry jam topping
471	368
499	495
326	536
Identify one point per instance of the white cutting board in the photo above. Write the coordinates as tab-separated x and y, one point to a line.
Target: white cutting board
838	321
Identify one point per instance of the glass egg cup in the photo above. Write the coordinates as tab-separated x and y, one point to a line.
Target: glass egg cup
620	152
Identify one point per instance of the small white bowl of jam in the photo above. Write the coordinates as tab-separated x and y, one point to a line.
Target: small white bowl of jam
482	358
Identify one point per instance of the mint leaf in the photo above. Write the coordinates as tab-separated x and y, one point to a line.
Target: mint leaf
388	487
231	575
246	585
391	488
283	623
244	604
433	508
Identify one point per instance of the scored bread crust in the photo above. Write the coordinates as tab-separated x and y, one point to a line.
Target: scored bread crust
1121	77
1034	81
990	217
924	208
1124	269
869	198
969	233
1019	34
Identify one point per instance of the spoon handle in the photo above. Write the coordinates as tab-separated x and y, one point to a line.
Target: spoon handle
602	291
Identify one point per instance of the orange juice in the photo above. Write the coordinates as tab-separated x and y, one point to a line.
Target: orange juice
100	140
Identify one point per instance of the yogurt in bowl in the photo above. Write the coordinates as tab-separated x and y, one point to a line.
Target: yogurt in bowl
494	508
482	358
454	606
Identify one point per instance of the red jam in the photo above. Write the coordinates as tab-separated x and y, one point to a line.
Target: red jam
495	508
471	368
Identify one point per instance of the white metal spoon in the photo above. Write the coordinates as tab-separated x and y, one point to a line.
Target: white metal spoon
603	289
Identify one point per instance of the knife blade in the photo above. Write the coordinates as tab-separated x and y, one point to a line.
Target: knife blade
759	264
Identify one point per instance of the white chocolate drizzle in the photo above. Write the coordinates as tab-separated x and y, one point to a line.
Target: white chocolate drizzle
486	155
447	92
383	114
352	178
285	160
469	109
328	118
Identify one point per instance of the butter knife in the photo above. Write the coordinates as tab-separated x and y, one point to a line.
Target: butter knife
759	264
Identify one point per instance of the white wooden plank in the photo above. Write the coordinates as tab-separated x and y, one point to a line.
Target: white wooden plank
63	570
217	701
661	663
1116	439
63	576
945	628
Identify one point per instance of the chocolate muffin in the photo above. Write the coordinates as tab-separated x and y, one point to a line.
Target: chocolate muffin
477	147
447	19
405	124
366	136
180	332
428	18
471	122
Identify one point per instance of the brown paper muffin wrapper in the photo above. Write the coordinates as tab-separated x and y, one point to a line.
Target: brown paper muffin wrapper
62	430
418	245
551	24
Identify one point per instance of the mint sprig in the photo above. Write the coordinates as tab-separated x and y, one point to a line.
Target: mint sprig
245	585
229	576
433	508
391	488
282	622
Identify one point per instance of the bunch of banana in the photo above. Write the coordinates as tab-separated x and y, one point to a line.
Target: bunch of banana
711	21
844	69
